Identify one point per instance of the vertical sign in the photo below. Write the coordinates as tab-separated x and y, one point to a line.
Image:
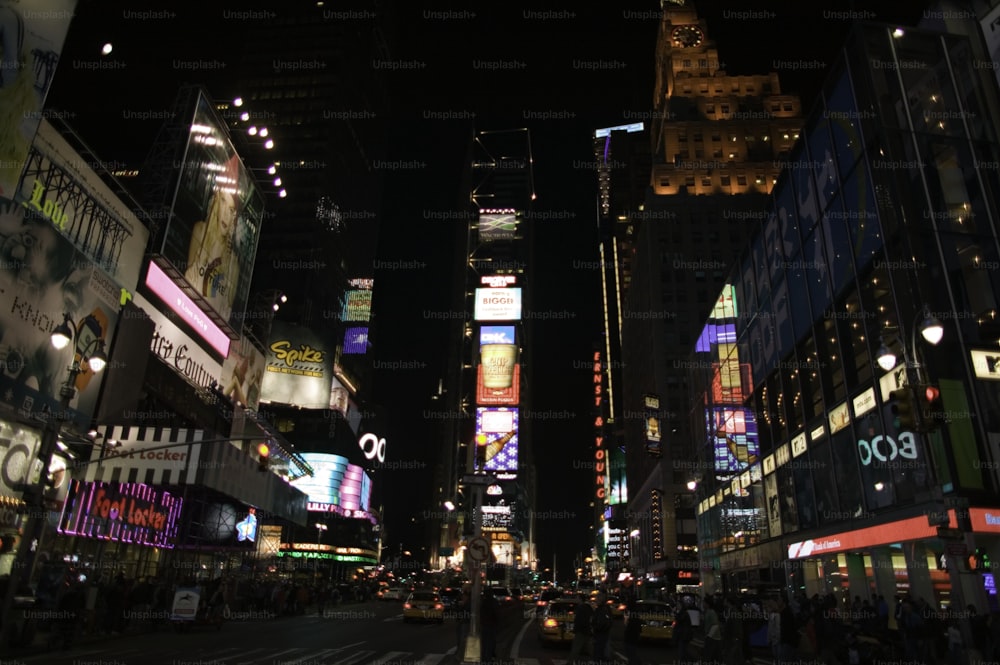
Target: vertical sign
600	449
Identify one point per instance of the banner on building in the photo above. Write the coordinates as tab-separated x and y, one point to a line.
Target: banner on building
298	367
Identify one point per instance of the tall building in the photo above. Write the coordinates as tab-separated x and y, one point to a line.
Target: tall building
717	141
487	397
846	381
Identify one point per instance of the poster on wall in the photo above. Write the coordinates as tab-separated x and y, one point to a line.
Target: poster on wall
242	373
39	288
496	436
33	32
773	505
216	217
298	367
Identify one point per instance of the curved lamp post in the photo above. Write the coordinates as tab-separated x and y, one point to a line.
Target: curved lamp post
91	357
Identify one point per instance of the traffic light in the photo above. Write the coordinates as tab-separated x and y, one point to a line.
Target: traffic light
263	459
903	405
931	408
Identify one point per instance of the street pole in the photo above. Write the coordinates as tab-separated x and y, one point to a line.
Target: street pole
34	494
473	653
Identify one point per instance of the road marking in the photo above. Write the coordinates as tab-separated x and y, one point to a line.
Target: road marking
515	647
309	657
398	617
356	657
431	659
392	655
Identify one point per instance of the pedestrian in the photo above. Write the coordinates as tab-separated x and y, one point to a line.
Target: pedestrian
582	632
683	631
633	635
713	634
954	643
489	621
732	633
601	623
774	629
788	642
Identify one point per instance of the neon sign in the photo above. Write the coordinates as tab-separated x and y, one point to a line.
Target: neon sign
121	512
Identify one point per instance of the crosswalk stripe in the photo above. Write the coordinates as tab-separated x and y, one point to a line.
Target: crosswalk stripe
356	657
431	659
317	656
398	617
527	661
392	655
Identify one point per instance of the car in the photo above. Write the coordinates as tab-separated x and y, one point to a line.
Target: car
657	620
502	594
451	597
392	593
555	622
545	597
423	606
616	606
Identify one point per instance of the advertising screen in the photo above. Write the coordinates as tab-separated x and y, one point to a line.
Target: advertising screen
122	513
498	304
496	335
298	367
495	226
356	340
497	518
242	373
488	392
357	306
216	216
213	524
38	287
736	444
651	422
33	35
335	482
180	304
496	434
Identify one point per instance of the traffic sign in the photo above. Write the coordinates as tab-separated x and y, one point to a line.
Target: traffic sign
479	548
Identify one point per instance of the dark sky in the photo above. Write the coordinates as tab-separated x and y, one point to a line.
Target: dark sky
561	73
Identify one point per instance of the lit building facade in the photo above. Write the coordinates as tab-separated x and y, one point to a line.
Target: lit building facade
884	219
717	144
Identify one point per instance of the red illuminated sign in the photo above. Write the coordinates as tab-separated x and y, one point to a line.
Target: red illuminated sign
914	528
490	396
121	512
600	453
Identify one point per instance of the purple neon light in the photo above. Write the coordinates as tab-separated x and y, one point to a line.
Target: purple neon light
179	302
78	518
715	333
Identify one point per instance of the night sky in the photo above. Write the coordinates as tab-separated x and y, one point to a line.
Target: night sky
561	73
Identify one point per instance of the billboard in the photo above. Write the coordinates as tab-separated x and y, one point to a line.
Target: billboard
357	306
355	340
735	435
43	276
496	335
298	367
496	434
498	376
180	304
242	373
61	187
651	424
176	348
215	218
33	32
500	225
122	513
335	482
498	304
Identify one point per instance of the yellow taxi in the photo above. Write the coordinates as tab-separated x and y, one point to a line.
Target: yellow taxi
423	606
657	620
555	622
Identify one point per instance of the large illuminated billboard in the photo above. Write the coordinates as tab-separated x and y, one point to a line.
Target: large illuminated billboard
298	367
33	32
355	340
215	216
357	306
735	435
243	373
336	485
498	304
498	375
496	435
497	225
173	297
496	335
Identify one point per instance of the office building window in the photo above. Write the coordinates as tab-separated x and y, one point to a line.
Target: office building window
724	180
741	180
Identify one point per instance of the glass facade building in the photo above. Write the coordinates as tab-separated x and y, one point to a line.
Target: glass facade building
887	205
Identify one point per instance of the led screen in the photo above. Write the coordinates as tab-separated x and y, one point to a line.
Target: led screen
496	435
122	513
497	226
335	482
735	434
357	306
496	335
498	304
356	340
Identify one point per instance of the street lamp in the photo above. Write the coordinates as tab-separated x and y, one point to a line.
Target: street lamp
320	528
932	331
89	355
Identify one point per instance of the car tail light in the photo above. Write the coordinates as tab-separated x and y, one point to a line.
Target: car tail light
541	603
550	623
406	606
621	607
439	606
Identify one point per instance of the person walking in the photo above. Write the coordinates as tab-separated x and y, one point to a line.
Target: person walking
683	632
633	635
601	623
732	632
713	634
582	633
788	643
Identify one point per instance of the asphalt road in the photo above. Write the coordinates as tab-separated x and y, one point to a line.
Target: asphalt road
351	634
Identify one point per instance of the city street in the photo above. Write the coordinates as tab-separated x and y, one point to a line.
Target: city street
350	634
